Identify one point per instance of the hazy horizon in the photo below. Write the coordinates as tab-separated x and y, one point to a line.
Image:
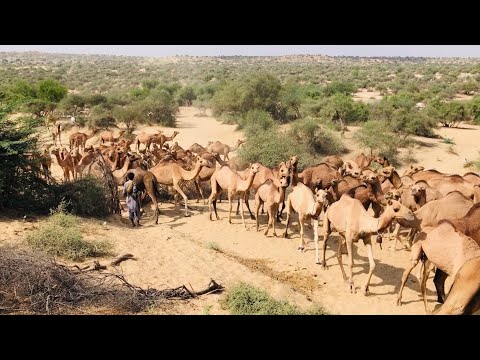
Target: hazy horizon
256	50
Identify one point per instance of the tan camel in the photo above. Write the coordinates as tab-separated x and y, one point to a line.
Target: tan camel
350	167
446	248
351	220
225	179
177	147
85	161
452	206
472	178
321	173
65	163
108	136
147	182
468	225
430	192
79	139
172	174
161	138
464	295
146	139
56	133
223	149
413	169
271	192
449	183
46	163
308	205
427	175
120	174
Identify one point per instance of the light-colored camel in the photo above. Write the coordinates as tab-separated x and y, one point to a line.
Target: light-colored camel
388	173
79	139
147	182
472	178
430	192
162	138
272	193
120	174
446	248
146	139
223	149
452	206
427	175
56	133
321	173
86	160
413	169
350	167
172	174
350	219
46	163
225	179
308	205
449	183
468	225
66	163
464	295
108	136
177	147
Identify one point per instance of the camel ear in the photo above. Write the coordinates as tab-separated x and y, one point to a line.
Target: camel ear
282	164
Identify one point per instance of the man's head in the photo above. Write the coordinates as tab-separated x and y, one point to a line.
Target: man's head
130	176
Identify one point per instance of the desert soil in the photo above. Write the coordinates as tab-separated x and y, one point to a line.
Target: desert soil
182	250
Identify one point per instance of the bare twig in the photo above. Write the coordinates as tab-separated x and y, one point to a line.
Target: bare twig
122	258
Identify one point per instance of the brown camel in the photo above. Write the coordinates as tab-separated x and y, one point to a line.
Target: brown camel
321	173
197	149
147	182
444	247
223	149
146	139
79	139
172	174
334	161
225	179
119	175
388	173
350	167
452	206
350	219
161	139
271	192
464	295
108	136
65	163
56	133
46	163
308	205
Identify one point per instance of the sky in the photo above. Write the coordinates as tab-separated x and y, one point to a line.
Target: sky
257	50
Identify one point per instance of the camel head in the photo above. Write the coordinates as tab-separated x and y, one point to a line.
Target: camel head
240	142
381	160
294	160
419	188
398	211
386	171
369	178
284	182
393	194
202	162
350	168
285	169
210	143
255	168
175	133
414	169
321	197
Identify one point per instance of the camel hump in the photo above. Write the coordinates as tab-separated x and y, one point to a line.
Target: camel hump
456	178
456	194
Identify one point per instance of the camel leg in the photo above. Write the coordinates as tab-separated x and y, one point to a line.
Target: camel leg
185	199
315	238
397	238
439	281
271	215
247	195
199	190
241	213
257	207
279	213
230	205
415	257
263	210
351	285
301	221
427	265
289	209
327	231
368	244
341	240
270	219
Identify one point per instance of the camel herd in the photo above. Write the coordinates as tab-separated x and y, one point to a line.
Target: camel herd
439	210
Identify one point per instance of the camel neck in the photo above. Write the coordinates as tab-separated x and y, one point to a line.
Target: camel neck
244	185
190	175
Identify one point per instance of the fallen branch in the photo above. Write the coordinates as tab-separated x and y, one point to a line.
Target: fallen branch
122	258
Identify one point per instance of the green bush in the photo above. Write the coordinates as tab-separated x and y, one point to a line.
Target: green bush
60	236
244	299
255	121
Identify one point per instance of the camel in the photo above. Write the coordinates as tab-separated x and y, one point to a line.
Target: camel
197	149
452	206
448	183
119	175
147	182
85	161
350	167
46	163
160	139
56	133
472	178
464	295
350	219
446	248
223	149
334	161
427	175
271	193
323	173
468	225
227	179
145	139
108	136
177	147
172	174
430	192
365	161
79	139
388	173
412	170
308	205
65	163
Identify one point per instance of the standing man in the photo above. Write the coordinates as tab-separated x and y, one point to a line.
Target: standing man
132	195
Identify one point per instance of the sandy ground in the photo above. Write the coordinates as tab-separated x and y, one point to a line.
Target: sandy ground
181	250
